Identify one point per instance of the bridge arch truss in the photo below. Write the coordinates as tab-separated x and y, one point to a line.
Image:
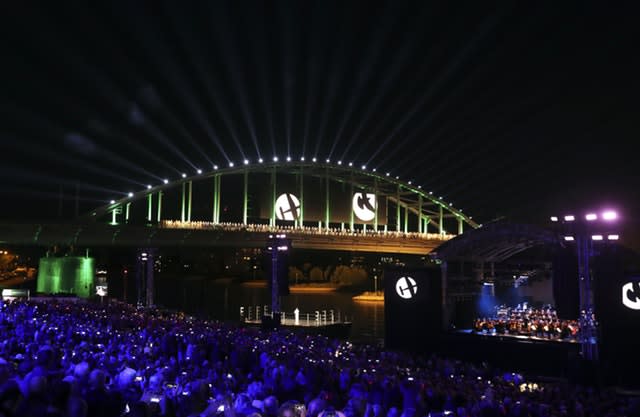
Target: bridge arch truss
411	209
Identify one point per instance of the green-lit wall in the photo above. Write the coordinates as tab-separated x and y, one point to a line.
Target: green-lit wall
67	275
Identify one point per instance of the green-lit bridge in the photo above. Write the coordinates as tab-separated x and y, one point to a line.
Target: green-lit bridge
318	205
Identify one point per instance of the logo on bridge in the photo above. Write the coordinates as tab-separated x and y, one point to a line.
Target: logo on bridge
287	207
364	206
406	287
631	295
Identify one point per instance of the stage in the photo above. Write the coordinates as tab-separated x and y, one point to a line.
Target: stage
530	354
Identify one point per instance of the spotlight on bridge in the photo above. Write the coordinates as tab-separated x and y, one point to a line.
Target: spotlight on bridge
231	164
314	159
199	171
430	192
350	164
275	159
339	162
288	159
364	167
166	181
328	160
409	183
374	170
260	160
148	186
112	202
302	158
215	167
388	174
246	162
184	175
419	187
130	194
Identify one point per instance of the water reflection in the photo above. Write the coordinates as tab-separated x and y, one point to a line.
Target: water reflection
222	301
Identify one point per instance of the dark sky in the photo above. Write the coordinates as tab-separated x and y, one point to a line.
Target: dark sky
516	110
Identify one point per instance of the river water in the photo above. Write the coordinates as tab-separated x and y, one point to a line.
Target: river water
222	300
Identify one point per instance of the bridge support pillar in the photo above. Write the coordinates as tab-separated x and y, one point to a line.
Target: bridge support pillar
406	219
159	206
245	197
419	213
184	202
189	200
149	207
398	208
216	199
327	204
440	221
460	225
127	209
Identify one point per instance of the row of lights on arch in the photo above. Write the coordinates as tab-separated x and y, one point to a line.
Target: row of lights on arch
288	159
607	216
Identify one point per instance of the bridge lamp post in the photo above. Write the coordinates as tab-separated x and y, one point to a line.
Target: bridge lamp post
584	231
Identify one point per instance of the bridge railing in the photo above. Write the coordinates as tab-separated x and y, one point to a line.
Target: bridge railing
255	314
300	230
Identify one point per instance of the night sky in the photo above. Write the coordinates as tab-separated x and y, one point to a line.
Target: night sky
517	111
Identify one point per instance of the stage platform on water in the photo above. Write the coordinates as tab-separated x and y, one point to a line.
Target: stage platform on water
337	329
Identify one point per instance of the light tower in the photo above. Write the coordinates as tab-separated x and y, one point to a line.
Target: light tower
583	231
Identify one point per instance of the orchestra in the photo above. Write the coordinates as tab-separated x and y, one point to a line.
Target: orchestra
524	320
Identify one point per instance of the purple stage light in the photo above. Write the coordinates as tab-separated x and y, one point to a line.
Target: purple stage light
596	237
591	217
569	238
613	237
609	215
569	218
554	218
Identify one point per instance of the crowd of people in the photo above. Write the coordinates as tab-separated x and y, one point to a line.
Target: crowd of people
305	230
80	359
524	320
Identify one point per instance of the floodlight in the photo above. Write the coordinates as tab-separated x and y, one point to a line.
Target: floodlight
130	194
609	215
613	237
314	159
184	175
260	160
199	171
215	167
112	202
166	181
302	158
350	164
246	162
596	237
275	159
288	159
591	217
148	186
364	167
554	218
231	164
569	238
339	162
569	218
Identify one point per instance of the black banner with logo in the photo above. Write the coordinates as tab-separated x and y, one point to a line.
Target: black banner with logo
413	307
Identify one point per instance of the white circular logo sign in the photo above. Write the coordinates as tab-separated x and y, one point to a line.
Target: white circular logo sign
287	207
364	206
406	287
631	295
